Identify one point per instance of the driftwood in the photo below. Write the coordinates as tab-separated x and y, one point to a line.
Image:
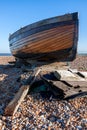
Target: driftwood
82	74
21	94
66	89
66	75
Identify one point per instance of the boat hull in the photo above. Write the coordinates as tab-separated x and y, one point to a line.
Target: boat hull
49	40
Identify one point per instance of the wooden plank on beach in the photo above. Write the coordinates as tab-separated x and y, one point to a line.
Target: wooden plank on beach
67	75
77	84
21	94
82	74
65	90
79	94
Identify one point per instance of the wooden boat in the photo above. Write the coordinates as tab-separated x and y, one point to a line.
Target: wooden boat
53	39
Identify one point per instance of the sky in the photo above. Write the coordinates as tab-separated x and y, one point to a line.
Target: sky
15	14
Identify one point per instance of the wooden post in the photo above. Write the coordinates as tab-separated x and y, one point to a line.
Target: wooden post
21	94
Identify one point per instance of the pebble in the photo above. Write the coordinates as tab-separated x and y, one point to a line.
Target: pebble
37	112
79	127
0	122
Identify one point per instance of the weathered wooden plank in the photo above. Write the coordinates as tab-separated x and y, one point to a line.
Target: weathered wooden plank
38	41
67	76
59	88
80	94
77	83
67	90
53	40
84	74
14	104
20	95
64	90
57	91
73	70
70	92
46	34
55	44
